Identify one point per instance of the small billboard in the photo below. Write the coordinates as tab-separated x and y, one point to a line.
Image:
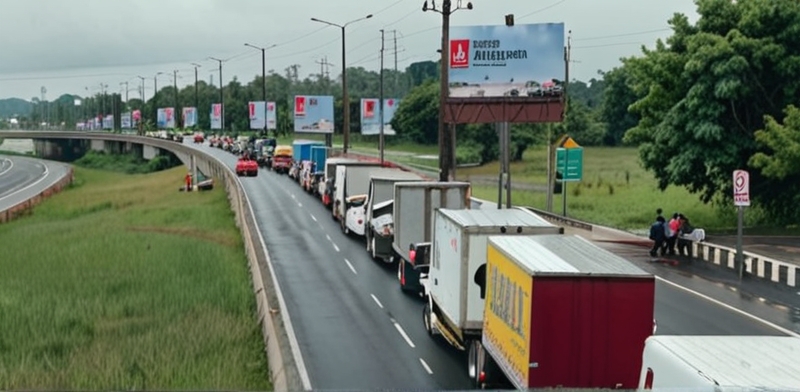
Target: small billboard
507	61
313	113
258	114
189	116
272	118
216	116
125	120
371	116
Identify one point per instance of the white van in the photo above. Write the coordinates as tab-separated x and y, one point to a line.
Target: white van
721	363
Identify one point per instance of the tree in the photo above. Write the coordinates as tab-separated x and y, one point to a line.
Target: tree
618	96
416	119
706	90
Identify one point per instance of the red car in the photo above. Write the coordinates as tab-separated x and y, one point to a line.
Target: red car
246	167
198	138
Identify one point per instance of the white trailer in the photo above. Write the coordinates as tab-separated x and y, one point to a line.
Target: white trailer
455	300
721	363
325	186
350	188
378	212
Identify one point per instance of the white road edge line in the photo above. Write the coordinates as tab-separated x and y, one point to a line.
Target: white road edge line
287	321
380	305
44	177
335	247
351	266
732	308
403	333
10	166
313	217
425	365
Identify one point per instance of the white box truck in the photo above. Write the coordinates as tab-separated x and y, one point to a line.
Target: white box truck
378	212
720	363
413	208
350	189
454	308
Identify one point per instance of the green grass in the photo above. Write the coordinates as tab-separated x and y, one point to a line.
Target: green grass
120	282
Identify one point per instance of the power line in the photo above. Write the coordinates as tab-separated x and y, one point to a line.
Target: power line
542	9
390	6
623	35
401	18
607	45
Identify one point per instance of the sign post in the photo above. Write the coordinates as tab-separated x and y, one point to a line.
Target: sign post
569	161
741	199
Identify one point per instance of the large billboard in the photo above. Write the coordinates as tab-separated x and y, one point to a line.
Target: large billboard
165	118
108	121
136	118
189	117
507	61
216	116
371	116
272	118
258	114
313	113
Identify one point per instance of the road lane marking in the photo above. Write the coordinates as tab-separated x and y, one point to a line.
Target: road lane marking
292	195
328	237
299	204
351	266
403	333
425	365
313	217
10	166
380	305
44	177
335	247
731	308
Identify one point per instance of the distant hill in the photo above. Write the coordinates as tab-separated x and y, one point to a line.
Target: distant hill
15	107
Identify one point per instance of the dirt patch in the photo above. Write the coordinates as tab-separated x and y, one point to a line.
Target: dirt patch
187	232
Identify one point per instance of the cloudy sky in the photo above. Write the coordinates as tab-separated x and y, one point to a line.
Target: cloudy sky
78	46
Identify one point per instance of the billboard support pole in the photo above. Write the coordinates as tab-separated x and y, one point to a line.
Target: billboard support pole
381	141
507	142
739	252
445	149
564	184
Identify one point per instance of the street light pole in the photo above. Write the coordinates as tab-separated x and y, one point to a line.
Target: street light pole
263	79
345	98
381	142
447	146
196	101
221	97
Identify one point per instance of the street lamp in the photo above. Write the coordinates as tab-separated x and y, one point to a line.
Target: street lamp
263	79
221	98
196	101
447	144
345	98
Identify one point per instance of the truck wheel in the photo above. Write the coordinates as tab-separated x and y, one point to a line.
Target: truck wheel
426	318
475	361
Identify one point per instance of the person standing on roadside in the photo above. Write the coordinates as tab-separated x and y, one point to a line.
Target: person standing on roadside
674	226
659	235
188	180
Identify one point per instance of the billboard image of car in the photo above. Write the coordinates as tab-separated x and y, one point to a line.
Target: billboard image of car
313	113
507	61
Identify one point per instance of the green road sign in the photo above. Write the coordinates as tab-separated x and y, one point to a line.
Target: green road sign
569	163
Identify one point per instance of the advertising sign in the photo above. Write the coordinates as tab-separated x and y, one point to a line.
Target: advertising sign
371	116
125	121
108	122
216	116
258	115
170	115
189	117
313	113
507	61
741	188
137	117
161	118
272	117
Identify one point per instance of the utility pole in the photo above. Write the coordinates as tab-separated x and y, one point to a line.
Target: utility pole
396	89
175	109
263	79
196	100
380	99
221	97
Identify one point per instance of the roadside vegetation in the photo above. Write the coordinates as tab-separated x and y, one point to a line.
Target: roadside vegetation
126	163
122	283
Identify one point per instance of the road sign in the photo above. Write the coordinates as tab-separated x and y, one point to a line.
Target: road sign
569	162
570	143
741	188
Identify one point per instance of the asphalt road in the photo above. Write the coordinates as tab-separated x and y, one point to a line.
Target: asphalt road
22	178
356	330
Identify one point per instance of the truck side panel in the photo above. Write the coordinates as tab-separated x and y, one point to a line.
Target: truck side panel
588	332
507	318
446	265
409	207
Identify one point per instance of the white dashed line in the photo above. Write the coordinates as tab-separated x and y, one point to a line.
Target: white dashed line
380	305
328	237
351	266
313	217
335	247
403	333
292	195
425	365
300	204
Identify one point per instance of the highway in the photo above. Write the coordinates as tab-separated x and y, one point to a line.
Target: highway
21	178
357	330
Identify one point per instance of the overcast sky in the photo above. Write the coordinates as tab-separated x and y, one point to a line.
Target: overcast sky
77	46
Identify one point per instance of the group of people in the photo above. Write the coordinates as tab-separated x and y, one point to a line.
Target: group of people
675	233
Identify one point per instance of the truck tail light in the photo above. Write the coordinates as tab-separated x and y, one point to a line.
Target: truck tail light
482	377
402	276
360	221
648	381
412	256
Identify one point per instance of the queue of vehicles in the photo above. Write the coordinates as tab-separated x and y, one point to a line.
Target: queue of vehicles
530	306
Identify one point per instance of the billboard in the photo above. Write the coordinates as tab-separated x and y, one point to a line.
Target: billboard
371	116
189	117
125	121
507	61
108	122
257	112
136	118
313	113
161	118
272	118
216	116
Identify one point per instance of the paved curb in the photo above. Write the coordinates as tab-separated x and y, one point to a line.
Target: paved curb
26	207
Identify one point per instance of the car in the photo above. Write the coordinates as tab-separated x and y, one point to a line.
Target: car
198	138
246	167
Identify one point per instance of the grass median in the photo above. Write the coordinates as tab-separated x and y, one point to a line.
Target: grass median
121	282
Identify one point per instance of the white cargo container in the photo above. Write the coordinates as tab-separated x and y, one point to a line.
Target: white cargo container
378	218
721	363
459	249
